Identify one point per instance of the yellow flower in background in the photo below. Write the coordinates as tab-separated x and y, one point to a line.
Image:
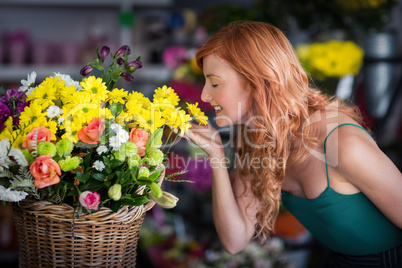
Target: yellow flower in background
194	67
357	5
197	114
331	59
166	93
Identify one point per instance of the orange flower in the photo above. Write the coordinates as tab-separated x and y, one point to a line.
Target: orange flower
45	171
140	138
42	134
90	134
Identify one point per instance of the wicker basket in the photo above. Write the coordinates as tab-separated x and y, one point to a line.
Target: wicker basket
49	237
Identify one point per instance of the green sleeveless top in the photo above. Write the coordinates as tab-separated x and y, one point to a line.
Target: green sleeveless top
347	224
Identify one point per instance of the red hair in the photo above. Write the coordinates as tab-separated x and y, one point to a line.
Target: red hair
281	101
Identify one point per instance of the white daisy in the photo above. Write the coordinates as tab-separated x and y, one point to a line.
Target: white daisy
68	80
116	127
29	91
101	149
11	196
98	165
123	135
60	120
53	111
29	83
115	143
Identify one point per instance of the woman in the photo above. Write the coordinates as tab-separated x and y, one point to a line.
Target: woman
294	145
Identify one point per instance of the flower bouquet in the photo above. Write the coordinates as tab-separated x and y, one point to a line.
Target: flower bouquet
85	161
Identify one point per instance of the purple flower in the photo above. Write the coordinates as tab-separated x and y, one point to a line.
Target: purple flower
128	77
122	51
86	70
134	65
120	61
104	52
22	105
4	112
13	96
16	120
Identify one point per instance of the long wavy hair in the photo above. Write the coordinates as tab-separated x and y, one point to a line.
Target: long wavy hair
281	101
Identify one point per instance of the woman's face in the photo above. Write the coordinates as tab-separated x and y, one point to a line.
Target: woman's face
224	90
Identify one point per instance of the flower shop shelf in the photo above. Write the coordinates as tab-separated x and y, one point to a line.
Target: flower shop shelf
91	3
153	72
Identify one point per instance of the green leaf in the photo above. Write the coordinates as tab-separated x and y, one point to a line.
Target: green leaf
154	141
156	190
87	160
144	181
79	176
135	202
72	193
106	160
116	109
155	175
99	176
87	176
115	205
115	75
115	163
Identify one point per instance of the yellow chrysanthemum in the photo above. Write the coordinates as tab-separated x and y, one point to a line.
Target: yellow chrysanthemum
166	93
163	104
179	119
197	114
47	92
153	117
331	59
117	96
31	113
96	87
140	98
67	95
134	107
7	130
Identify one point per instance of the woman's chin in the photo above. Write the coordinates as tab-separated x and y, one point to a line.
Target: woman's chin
223	121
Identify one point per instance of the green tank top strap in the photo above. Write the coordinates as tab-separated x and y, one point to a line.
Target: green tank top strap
325	143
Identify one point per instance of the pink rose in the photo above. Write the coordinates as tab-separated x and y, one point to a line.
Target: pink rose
90	134
89	200
45	171
140	138
41	133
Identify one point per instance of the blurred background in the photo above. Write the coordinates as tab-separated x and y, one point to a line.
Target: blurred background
351	49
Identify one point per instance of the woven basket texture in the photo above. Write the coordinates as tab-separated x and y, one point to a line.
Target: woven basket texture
49	236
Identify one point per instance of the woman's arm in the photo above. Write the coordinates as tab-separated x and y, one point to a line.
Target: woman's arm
363	164
233	222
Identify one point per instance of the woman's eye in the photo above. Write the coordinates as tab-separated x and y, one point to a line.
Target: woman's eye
214	85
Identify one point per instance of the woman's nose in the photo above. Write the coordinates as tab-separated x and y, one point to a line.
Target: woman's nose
205	95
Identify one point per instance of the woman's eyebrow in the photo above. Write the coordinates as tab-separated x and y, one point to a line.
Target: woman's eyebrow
211	75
